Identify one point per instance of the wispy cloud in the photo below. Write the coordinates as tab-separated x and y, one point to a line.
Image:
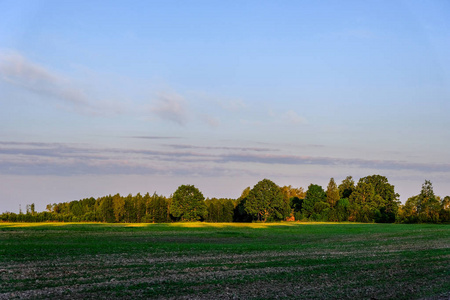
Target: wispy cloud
172	107
332	161
149	137
233	105
224	148
292	117
71	159
210	120
17	70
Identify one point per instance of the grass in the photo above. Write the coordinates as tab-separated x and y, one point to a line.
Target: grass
224	261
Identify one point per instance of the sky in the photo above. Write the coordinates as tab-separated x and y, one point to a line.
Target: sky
106	97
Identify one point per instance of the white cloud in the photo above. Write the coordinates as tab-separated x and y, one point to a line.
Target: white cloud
234	105
210	120
172	107
293	118
16	70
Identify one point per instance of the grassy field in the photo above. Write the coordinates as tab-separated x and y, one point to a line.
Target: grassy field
224	261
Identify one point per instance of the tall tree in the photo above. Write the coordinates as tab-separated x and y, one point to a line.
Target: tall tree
374	199
157	209
266	202
347	187
361	202
119	207
428	205
332	193
389	202
188	204
239	212
314	194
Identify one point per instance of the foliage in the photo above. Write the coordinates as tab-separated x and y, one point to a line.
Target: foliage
266	202
220	210
314	194
347	187
425	207
332	193
373	199
188	204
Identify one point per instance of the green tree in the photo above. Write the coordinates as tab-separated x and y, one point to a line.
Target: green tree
444	215
374	199
266	202
388	201
139	207
239	212
106	209
361	203
428	205
347	187
119	207
188	204
157	209
314	194
332	193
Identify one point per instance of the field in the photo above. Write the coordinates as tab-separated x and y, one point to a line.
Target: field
224	261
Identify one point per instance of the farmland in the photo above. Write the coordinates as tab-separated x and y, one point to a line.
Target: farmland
224	261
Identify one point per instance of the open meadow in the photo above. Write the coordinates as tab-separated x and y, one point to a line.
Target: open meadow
224	261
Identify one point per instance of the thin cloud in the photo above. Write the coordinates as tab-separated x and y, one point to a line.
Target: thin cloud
70	159
293	118
331	161
233	105
171	107
210	120
255	149
16	70
155	137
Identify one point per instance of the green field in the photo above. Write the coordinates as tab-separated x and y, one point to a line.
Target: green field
224	261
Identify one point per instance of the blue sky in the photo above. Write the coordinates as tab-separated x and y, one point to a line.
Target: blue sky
100	97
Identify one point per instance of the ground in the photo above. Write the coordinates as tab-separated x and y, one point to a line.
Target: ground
224	261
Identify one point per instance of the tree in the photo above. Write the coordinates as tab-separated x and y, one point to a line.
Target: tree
444	215
106	209
157	208
374	199
314	194
119	207
342	210
188	204
428	205
347	187
389	202
239	212
266	202
361	202
291	192
332	193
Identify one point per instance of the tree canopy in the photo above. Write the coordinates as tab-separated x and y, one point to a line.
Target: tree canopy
373	199
188	204
266	202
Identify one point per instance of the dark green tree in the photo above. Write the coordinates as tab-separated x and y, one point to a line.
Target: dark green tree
106	209
157	210
266	202
188	204
240	214
314	194
387	200
332	193
428	205
362	206
347	187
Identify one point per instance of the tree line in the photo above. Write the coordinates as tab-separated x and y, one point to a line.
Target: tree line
371	199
